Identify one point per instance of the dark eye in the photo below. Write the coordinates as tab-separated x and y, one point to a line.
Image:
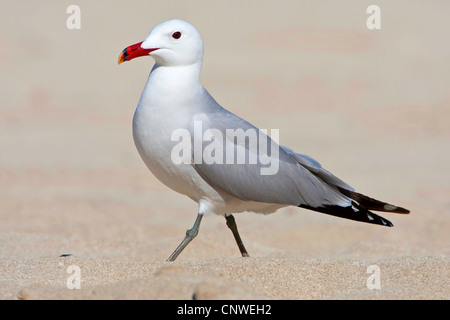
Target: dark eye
176	35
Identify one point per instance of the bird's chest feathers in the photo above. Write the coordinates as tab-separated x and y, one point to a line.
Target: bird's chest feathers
156	122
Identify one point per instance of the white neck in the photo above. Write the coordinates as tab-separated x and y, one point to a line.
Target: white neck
168	88
172	80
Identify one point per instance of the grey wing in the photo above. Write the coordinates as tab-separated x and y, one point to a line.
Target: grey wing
314	167
278	176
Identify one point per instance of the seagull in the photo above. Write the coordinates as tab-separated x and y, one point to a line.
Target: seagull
177	120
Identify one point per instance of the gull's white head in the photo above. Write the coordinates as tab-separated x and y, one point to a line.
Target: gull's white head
171	43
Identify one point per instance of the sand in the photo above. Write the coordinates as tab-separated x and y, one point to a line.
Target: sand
372	106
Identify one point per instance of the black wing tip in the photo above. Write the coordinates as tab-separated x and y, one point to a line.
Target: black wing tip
360	214
401	210
369	203
392	208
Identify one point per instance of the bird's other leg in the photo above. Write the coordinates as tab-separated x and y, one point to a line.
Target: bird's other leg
231	223
190	235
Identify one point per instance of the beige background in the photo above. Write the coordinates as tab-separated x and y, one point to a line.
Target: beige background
372	106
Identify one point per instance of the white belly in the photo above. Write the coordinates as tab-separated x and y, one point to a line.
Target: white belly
152	138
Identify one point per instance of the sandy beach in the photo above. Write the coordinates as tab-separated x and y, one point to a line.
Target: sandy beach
372	106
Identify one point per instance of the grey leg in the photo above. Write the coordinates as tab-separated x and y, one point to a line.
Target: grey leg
231	223
190	235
